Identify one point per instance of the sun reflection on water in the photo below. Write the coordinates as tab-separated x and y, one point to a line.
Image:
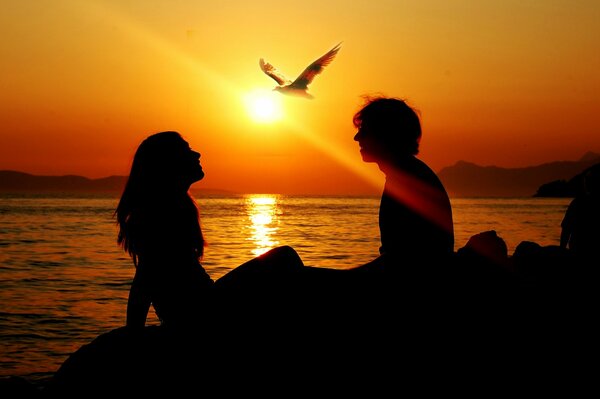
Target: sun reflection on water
262	212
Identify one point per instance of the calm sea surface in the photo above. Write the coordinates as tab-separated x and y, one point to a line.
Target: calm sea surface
64	281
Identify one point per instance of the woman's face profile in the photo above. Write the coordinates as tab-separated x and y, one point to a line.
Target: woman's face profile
190	164
196	168
167	158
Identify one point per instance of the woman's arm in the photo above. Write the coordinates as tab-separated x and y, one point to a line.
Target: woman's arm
138	303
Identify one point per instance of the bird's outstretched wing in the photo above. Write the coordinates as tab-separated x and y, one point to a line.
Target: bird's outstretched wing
307	76
271	71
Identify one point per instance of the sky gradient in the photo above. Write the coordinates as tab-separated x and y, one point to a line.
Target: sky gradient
82	82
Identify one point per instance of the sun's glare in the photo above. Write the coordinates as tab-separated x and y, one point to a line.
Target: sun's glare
264	106
263	213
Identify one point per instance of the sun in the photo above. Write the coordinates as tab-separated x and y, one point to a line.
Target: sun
264	106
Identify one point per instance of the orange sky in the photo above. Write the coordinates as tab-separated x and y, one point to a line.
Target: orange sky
510	83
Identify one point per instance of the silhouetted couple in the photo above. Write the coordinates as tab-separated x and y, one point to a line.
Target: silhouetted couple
159	227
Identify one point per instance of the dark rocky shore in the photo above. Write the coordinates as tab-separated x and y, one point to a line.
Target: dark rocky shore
482	314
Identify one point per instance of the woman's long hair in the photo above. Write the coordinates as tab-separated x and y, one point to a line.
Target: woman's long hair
154	185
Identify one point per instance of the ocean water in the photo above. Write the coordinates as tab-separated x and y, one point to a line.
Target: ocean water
64	280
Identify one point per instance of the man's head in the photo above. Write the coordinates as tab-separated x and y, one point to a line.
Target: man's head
388	128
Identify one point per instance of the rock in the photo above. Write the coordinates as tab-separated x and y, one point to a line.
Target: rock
481	305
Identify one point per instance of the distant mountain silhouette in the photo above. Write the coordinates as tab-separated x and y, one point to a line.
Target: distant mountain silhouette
13	181
465	179
19	182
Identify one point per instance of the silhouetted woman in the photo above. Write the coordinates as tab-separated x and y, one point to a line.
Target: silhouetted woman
159	227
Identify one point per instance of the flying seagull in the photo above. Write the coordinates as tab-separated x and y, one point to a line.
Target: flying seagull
300	85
